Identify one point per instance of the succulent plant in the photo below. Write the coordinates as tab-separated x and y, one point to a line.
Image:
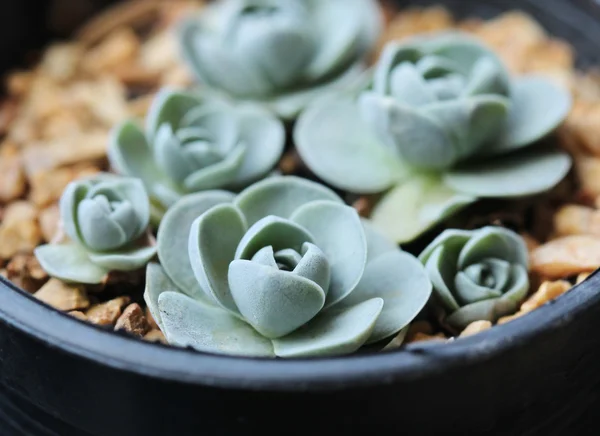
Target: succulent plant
194	142
477	275
284	269
281	53
441	125
106	218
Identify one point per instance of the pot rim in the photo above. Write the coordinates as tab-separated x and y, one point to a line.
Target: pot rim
59	330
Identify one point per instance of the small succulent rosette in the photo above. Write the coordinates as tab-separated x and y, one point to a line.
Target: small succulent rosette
441	125
106	220
283	269
194	142
477	275
281	53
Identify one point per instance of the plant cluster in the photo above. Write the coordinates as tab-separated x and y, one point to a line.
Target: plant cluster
253	263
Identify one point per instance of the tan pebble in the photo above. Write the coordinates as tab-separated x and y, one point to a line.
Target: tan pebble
19	82
177	76
587	169
118	48
574	219
69	150
582	277
133	321
290	163
12	175
155	335
548	291
422	337
60	61
566	256
151	321
364	205
476	327
19	231
50	222
417	327
510	318
79	315
47	186
160	52
62	296
107	313
530	241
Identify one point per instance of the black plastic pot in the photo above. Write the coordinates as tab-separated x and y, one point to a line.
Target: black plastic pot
536	375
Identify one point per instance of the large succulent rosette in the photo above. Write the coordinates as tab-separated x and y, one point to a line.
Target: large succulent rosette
477	275
106	219
284	269
441	125
281	53
194	142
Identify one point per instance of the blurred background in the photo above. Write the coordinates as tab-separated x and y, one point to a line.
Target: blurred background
26	24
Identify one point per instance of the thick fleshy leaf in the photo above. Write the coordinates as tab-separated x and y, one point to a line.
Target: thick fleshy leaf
338	145
338	231
169	106
517	175
288	257
493	242
538	107
133	194
377	243
453	241
129	154
492	273
124	260
69	262
173	236
272	231
441	270
408	86
288	105
355	32
280	196
416	205
398	340
518	285
487	310
314	266
73	194
264	138
98	231
471	122
275	302
214	237
394	53
278	43
219	174
157	282
333	332
418	139
470	292
191	323
216	67
168	155
403	283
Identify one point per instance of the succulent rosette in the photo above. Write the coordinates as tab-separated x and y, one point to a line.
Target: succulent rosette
441	125
284	269
106	219
477	275
281	53
194	142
